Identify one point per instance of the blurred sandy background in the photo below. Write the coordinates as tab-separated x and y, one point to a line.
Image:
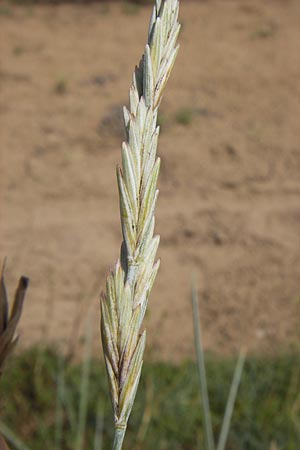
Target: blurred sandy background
229	205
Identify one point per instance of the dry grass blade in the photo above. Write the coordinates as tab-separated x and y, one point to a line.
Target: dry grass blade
3	302
128	286
8	324
8	340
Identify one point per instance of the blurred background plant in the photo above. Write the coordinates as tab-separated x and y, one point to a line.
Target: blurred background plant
166	414
209	439
48	400
9	321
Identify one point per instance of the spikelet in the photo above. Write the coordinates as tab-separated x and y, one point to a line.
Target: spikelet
128	286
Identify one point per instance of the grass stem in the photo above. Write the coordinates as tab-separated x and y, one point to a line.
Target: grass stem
85	379
12	438
209	439
231	400
59	413
118	438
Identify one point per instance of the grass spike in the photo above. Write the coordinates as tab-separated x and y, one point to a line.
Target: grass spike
123	346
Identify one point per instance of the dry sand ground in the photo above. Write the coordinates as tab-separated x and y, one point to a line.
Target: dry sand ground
229	206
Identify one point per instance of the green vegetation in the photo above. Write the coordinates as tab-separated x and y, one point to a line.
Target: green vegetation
18	50
184	116
207	422
60	87
5	10
24	2
130	8
167	413
104	8
265	30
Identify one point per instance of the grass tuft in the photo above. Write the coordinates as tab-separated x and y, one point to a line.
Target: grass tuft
267	406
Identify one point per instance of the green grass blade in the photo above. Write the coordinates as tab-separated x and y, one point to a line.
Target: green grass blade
59	413
70	410
64	405
12	438
98	439
84	387
231	400
209	439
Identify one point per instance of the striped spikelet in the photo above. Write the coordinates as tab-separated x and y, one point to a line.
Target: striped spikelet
128	286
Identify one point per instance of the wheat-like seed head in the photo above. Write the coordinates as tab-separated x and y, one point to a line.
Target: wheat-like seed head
128	286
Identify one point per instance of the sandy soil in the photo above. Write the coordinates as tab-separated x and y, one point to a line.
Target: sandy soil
229	206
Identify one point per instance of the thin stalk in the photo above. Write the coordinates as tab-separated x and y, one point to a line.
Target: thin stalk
209	439
12	438
119	438
231	400
70	410
146	419
59	404
84	388
98	438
